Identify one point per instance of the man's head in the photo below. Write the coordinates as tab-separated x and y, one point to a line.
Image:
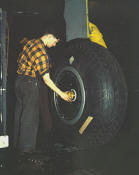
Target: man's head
49	40
48	35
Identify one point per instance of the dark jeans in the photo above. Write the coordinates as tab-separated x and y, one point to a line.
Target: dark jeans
45	115
26	113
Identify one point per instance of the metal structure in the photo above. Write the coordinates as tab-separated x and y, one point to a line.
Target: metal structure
77	22
3	79
76	17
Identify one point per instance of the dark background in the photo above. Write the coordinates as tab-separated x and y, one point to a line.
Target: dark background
119	23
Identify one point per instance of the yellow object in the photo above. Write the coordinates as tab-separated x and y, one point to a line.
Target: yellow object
86	123
71	94
93	32
95	35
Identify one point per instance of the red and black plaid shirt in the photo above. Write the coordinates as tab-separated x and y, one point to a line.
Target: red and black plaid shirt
33	58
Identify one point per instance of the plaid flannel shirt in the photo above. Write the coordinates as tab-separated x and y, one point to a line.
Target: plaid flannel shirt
33	58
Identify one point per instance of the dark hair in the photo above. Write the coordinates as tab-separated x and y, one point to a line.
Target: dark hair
47	30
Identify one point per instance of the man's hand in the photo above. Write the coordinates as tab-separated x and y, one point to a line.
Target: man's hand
65	96
50	83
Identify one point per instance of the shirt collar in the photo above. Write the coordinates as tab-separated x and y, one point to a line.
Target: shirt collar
45	47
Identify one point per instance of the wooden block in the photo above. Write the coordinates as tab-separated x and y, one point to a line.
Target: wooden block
86	123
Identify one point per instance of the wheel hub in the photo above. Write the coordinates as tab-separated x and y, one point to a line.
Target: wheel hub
68	79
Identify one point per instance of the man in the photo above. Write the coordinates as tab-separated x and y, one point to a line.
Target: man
33	60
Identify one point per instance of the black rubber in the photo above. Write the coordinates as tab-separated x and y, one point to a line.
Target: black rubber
105	94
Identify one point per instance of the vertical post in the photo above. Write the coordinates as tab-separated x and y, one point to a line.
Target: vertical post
87	18
3	70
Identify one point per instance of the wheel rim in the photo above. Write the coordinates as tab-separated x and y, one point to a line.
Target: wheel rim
69	79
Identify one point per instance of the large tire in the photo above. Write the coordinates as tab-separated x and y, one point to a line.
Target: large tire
95	75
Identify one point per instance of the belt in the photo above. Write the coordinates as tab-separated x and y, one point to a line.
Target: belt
26	78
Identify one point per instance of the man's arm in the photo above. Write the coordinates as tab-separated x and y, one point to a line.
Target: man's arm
51	84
